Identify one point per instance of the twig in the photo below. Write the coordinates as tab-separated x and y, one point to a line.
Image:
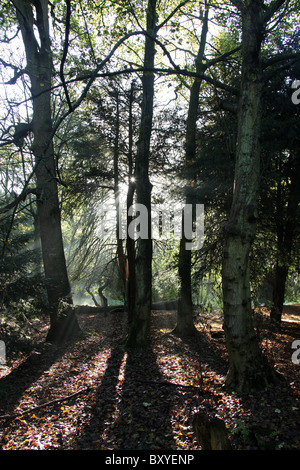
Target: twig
171	384
43	405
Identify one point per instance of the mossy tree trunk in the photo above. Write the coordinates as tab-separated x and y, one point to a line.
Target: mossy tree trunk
247	366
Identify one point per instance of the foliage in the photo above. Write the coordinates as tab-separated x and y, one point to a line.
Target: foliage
20	277
98	53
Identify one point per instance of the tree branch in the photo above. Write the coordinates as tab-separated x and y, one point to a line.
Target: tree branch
65	52
17	72
26	20
280	58
272	9
22	196
222	56
272	73
49	403
172	14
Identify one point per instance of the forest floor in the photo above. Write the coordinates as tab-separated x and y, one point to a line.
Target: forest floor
92	395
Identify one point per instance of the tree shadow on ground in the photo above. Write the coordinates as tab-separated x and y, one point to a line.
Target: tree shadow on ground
205	350
131	409
13	385
199	344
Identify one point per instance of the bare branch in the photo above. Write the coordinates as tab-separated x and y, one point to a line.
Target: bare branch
65	52
172	14
17	72
43	405
223	56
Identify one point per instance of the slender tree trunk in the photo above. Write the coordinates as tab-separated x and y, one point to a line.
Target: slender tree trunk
120	250
185	323
281	274
130	248
103	299
130	243
93	297
247	366
39	67
287	221
138	334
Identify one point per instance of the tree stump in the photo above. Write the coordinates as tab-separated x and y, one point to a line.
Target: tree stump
211	433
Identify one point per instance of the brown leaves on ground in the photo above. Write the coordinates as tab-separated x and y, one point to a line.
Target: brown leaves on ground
91	394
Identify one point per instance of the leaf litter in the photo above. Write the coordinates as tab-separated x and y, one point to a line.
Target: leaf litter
91	394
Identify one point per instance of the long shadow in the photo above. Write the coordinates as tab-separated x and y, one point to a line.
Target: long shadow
13	385
132	407
93	436
205	351
147	402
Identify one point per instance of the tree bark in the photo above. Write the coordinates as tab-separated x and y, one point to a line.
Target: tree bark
120	250
138	334
39	69
281	274
130	243
247	366
185	323
287	220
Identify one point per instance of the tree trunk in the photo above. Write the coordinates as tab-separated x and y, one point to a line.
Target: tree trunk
120	250
39	68
287	221
130	243
247	366
130	248
138	334
103	299
281	274
185	323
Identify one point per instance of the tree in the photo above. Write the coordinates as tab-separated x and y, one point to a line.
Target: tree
138	334
33	20
247	366
278	168
202	65
185	323
287	227
130	243
279	200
